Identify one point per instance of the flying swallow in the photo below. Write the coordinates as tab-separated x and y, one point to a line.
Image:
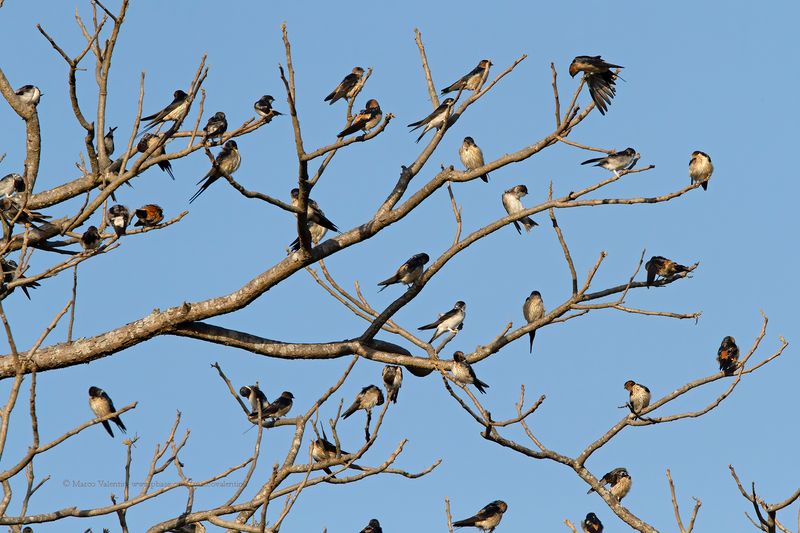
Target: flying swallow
472	80
619	481
324	450
347	87
728	355
392	380
624	160
409	272
437	119
118	218
102	405
661	266
216	126
599	77
511	201
149	215
11	272
255	397
313	212
29	94
263	107
108	141
451	321
464	374
700	168
369	397
174	111
279	407
533	310
366	119
91	239
487	518
592	524
227	162
11	184
373	527
472	156
316	231
639	396
146	142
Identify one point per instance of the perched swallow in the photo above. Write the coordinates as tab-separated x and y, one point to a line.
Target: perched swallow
511	201
366	119
472	156
639	396
728	355
118	218
599	77
255	397
624	160
392	380
313	212
533	310
27	529
102	405
369	397
263	106
91	239
324	450
11	272
29	94
451	321
437	119
592	524
10	209
409	272
346	89
227	162
316	231
661	266
149	215
146	142
279	407
197	527
174	111
619	481
472	80
700	168
11	184
464	374
373	527
216	126
108	141
487	518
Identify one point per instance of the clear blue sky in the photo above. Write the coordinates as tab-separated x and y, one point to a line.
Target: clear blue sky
698	76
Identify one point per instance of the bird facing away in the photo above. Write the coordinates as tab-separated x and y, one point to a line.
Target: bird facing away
599	77
619	481
29	94
278	408
102	405
513	205
174	111
108	141
369	397
313	212
592	524
216	126
118	218
149	215
367	118
472	156
700	168
639	396
347	87
226	162
263	107
392	380
90	240
464	374
324	450
146	142
316	231
11	184
487	518
409	272
451	321
437	119
624	160
533	310
661	266
373	527
728	355
11	272
255	397
472	80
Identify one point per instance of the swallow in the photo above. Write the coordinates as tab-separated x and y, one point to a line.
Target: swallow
409	272
392	380
91	239
108	141
728	356
624	160
118	218
533	310
324	450
472	157
279	407
102	405
27	529
347	87
599	77
149	215
313	212
661	266
227	162
29	94
639	396
146	142
437	119
373	527
700	168
369	397
619	481
472	80
487	518
174	111
317	233
511	201
592	524
255	397
11	210
367	118
216	126
11	184
263	106
451	321
11	272
464	374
